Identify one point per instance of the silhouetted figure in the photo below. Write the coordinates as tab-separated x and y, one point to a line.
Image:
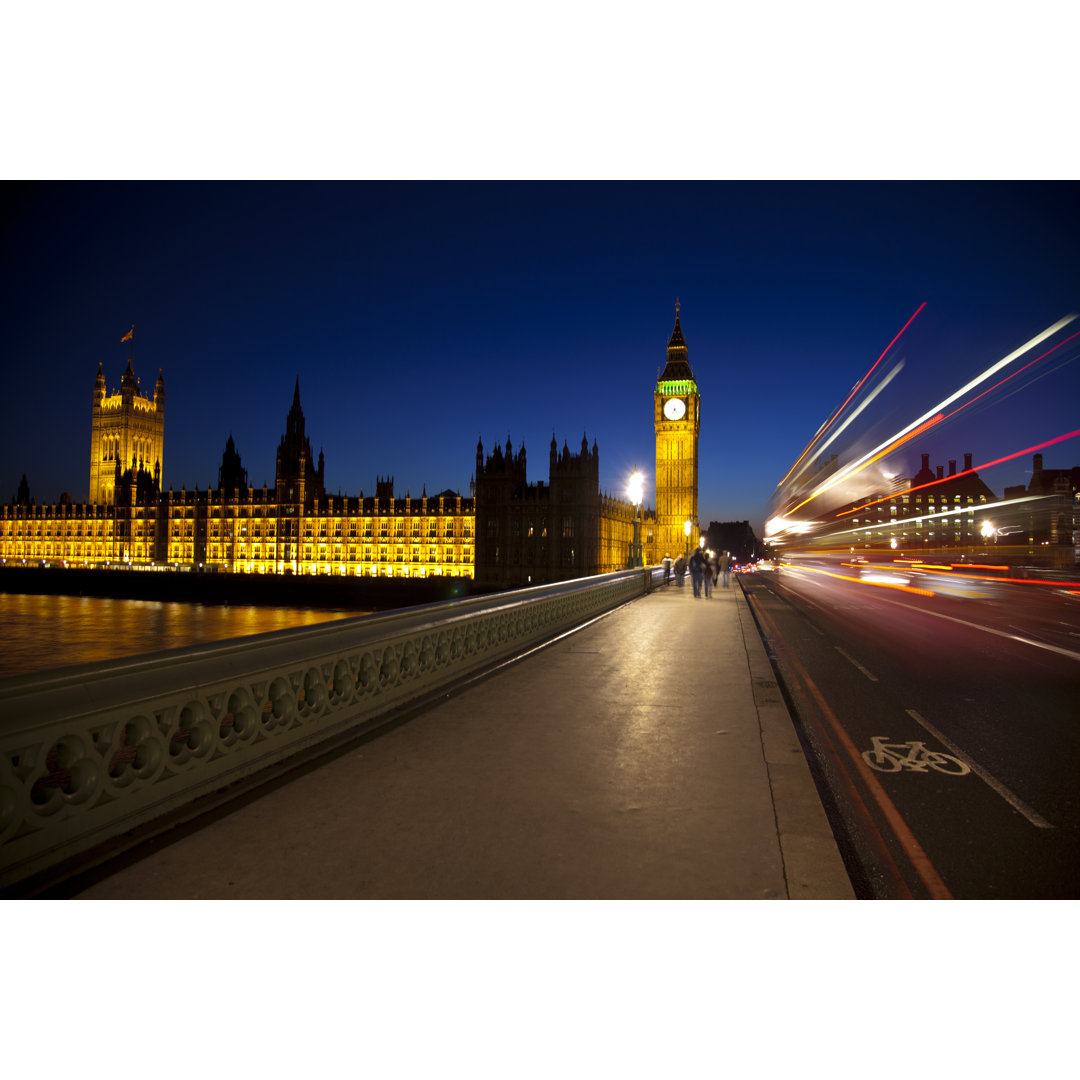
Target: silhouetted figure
697	570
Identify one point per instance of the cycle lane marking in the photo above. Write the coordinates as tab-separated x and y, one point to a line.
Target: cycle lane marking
916	856
852	660
1010	797
885	747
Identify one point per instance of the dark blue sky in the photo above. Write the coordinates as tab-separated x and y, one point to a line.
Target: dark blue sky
421	316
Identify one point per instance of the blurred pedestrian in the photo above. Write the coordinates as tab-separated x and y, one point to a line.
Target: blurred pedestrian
725	568
667	568
697	567
680	570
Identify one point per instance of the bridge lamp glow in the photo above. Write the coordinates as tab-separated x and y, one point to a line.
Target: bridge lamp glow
635	491
988	529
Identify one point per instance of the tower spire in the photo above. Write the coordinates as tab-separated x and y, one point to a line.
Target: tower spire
678	362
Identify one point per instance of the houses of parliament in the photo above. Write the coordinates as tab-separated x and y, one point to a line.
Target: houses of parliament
507	532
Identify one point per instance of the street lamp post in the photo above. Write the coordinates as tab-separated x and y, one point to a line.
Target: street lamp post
635	490
687	526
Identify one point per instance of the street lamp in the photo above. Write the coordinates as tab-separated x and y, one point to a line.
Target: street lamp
687	526
635	491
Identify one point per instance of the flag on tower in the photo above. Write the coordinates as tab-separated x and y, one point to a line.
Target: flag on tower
129	336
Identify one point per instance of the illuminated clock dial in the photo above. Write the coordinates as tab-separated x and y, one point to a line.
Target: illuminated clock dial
674	408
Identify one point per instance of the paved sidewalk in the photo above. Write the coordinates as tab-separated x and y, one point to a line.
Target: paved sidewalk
647	756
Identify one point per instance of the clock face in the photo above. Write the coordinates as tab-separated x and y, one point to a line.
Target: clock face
674	408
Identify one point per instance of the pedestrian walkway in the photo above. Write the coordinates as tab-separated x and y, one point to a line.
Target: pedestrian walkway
648	755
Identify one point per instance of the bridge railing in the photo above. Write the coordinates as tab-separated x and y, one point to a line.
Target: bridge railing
89	753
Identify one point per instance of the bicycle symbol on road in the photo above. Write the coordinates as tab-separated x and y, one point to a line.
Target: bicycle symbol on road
913	756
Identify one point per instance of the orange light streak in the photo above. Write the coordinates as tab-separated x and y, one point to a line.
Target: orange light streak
860	581
877	457
853	469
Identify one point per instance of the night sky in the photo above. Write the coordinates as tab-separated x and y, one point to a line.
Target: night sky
421	317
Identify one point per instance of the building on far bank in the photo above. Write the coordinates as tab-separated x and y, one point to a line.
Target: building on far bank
735	537
127	432
292	528
532	534
1049	516
931	511
507	532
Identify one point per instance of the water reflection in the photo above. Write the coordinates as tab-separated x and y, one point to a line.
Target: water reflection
41	632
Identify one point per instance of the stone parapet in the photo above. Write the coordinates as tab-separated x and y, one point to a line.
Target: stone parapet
88	754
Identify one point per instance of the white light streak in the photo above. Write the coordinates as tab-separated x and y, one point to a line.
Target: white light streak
848	470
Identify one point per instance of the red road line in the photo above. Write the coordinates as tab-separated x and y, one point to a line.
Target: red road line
905	837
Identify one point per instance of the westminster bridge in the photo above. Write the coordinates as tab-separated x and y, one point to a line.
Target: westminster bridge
586	759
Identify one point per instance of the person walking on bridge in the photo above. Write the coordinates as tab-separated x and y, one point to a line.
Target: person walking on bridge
725	568
697	567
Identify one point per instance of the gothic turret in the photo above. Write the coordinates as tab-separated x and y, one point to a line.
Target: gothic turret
296	478
232	476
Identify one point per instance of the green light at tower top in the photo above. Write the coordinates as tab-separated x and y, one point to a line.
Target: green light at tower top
672	387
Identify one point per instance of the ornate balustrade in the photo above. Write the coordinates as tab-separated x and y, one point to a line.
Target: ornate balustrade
89	753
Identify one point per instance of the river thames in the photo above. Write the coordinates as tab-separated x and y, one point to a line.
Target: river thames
42	632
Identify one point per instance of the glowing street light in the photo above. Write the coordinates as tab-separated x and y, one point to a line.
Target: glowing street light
635	491
687	526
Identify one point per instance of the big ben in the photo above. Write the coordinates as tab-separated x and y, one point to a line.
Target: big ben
677	421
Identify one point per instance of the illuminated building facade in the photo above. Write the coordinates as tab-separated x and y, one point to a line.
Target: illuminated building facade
127	431
508	533
293	528
532	534
931	511
677	422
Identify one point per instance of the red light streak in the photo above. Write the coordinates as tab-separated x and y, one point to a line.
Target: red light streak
825	427
956	476
1013	375
922	568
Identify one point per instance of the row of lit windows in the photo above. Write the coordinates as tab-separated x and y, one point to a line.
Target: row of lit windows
218	553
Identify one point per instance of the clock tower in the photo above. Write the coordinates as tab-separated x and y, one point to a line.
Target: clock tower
677	420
